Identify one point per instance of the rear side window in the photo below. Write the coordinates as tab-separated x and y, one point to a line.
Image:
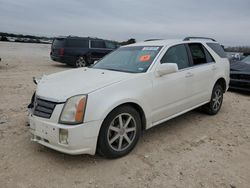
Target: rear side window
217	48
57	43
110	45
177	54
77	43
198	53
97	44
210	59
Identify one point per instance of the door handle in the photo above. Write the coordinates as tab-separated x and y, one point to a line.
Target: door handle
214	68
189	74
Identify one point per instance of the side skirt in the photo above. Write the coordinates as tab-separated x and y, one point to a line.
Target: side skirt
175	115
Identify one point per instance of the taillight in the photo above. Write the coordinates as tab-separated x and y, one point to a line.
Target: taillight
61	51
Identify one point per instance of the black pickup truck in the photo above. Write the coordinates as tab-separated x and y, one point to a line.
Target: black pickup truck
80	51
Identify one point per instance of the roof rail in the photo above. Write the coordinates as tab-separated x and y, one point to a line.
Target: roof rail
151	40
189	38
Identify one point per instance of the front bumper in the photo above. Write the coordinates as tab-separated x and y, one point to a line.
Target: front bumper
242	85
82	139
239	80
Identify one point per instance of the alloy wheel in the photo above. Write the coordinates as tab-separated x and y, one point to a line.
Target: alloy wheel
80	62
121	132
217	100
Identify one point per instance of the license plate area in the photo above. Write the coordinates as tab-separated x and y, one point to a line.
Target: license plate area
46	132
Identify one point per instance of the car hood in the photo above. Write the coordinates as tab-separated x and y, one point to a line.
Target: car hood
60	86
240	66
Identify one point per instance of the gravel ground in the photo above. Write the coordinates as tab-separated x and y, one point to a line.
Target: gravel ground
193	150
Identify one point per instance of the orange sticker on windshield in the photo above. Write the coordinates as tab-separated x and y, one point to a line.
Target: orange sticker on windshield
144	58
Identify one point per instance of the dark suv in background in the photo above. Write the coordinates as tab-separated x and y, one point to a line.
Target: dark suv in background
80	51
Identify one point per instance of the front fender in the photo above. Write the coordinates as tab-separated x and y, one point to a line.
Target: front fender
101	102
145	109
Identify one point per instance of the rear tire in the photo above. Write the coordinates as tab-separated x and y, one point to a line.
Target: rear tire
120	132
213	107
80	62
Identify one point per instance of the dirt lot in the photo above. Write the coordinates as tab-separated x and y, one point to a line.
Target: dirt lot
194	150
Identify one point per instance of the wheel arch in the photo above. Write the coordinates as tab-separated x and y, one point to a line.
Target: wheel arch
137	107
222	82
141	112
81	55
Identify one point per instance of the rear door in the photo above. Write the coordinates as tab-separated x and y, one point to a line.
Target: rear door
98	49
201	73
76	47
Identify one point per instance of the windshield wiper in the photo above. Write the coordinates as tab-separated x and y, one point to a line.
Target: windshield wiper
111	69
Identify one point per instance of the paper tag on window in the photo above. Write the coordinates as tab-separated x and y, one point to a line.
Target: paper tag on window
150	48
144	58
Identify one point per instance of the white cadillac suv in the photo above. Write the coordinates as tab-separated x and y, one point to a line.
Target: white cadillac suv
105	108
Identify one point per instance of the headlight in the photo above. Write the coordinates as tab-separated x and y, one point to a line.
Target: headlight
73	110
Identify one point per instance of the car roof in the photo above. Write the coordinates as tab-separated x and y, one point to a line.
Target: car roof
81	38
169	42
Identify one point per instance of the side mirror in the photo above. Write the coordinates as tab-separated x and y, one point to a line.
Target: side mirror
95	62
166	68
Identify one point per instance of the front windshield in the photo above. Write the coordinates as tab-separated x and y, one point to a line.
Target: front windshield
246	59
135	59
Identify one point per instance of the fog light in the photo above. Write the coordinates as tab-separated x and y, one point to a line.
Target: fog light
63	136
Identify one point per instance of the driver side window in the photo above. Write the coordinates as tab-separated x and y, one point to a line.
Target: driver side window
177	54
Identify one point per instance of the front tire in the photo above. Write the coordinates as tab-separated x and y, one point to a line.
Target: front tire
120	132
213	107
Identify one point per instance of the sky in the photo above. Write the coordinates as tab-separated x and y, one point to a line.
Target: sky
228	21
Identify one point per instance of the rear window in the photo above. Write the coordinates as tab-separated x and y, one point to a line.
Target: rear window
76	43
217	48
57	43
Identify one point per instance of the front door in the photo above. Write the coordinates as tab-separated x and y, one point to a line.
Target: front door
171	92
